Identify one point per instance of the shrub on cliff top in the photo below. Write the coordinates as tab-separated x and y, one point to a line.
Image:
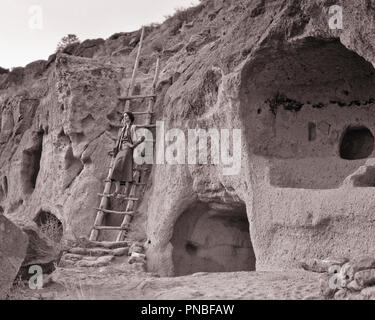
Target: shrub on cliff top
67	41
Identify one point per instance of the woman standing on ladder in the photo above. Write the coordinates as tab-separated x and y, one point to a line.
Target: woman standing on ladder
126	143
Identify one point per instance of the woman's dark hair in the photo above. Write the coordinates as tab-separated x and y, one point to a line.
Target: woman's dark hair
131	116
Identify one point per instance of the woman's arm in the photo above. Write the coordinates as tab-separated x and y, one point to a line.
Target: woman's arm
136	141
141	139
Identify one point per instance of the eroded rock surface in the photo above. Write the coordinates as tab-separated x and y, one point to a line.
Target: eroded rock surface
301	94
13	245
41	251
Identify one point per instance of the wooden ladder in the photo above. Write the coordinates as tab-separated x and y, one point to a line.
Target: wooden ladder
132	196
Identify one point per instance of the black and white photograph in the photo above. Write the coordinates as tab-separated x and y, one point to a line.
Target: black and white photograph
201	151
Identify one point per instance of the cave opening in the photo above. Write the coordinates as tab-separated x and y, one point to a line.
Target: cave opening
309	90
30	164
357	143
49	225
212	237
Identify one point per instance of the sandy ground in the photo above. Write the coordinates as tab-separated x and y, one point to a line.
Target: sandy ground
119	282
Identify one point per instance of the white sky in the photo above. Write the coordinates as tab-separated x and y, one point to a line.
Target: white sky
31	29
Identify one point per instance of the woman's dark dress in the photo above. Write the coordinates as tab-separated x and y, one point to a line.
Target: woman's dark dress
123	169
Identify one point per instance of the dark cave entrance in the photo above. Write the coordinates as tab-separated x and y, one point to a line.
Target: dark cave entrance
30	165
357	143
212	237
50	226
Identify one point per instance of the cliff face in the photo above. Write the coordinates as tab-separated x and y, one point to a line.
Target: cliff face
13	247
300	92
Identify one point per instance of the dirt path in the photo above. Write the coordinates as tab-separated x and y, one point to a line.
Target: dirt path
118	282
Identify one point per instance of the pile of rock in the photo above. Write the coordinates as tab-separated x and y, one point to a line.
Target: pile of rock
87	253
137	257
345	279
41	251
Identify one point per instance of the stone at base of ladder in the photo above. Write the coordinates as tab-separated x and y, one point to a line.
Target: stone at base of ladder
77	257
354	286
365	278
345	294
324	286
320	265
137	258
136	247
100	262
369	293
85	243
66	263
98	252
75	260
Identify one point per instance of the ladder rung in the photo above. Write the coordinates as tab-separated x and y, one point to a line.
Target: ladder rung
129	213
136	125
138	97
110	228
142	112
131	183
119	195
135	169
142	169
145	125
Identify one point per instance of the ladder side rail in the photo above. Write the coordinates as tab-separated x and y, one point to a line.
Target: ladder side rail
103	204
133	193
107	188
135	70
131	206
